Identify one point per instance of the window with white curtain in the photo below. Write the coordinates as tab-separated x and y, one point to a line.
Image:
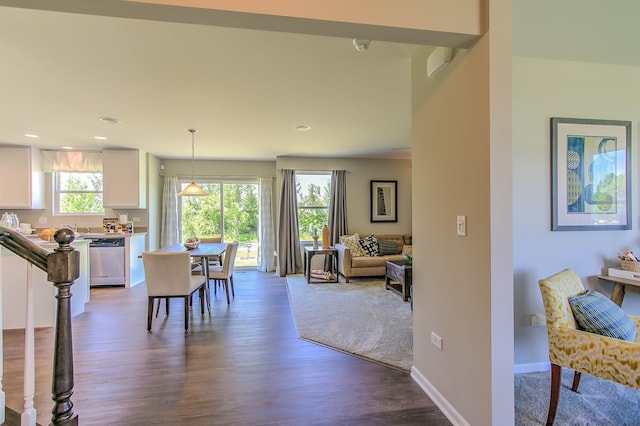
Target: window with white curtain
78	193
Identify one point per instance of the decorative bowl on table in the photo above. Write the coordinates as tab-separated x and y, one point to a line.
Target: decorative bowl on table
192	243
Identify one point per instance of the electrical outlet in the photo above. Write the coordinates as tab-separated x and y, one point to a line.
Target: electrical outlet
436	340
538	320
135	219
42	220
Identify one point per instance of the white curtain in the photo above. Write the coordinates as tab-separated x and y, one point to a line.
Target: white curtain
170	226
72	161
267	235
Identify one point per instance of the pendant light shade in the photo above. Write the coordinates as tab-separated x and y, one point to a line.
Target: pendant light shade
193	189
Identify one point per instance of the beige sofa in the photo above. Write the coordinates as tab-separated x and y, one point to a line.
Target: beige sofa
370	266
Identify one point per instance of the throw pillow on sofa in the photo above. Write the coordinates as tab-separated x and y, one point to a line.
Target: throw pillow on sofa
408	250
369	245
387	247
353	243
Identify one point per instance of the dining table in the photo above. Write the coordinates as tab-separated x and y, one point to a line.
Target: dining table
204	252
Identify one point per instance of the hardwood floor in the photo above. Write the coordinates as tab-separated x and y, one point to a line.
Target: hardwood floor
243	365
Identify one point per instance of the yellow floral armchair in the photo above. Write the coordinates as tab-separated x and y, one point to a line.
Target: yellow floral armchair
600	356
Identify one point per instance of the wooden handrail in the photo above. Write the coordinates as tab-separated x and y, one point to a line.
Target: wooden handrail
62	268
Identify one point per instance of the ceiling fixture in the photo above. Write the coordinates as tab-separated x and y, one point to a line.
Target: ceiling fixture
303	128
361	45
30	135
193	188
109	120
100	138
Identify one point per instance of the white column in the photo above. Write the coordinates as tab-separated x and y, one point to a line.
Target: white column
28	417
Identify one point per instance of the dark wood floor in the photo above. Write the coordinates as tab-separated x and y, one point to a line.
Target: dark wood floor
244	365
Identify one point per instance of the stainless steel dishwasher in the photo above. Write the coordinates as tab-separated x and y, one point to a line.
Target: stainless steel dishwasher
106	260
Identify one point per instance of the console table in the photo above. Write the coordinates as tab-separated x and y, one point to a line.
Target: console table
399	278
620	287
332	252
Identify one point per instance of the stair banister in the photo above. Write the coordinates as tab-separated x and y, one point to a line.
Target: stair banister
62	268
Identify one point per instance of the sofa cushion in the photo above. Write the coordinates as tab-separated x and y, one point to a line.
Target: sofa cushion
408	250
369	245
597	314
353	243
387	247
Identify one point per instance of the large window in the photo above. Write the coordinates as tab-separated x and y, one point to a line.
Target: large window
229	211
78	193
313	190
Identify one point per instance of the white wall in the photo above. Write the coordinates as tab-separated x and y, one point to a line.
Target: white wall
543	89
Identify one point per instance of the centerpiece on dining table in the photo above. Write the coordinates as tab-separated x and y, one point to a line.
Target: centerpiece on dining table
192	243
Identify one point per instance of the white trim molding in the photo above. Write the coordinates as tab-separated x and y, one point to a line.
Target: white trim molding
447	409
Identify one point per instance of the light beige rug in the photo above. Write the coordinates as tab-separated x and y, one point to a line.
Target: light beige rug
360	318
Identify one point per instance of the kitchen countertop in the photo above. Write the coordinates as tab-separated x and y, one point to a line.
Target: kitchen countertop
85	237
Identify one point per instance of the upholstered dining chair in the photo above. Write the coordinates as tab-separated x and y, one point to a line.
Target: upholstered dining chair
168	274
224	274
601	356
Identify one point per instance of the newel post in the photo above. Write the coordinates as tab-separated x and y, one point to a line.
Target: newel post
62	270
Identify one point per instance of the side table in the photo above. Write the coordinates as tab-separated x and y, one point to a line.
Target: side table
621	286
399	278
309	252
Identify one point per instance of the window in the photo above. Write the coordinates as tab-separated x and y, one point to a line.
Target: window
313	190
230	211
78	193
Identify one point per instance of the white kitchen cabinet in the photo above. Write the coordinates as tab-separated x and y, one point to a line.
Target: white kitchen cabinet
13	280
124	175
21	178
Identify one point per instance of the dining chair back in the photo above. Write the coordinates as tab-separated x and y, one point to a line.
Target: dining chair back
224	274
167	275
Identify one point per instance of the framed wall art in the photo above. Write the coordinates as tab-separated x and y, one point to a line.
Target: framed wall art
590	174
384	201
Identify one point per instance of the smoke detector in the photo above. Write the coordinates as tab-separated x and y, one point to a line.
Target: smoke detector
361	45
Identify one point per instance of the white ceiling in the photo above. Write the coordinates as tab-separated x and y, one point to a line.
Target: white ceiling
245	90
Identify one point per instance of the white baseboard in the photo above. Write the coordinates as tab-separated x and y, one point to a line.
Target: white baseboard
447	409
531	368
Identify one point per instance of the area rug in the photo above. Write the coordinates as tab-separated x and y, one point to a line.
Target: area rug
597	402
360	318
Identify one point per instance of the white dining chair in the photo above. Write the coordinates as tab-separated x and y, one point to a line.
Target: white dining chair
168	275
224	274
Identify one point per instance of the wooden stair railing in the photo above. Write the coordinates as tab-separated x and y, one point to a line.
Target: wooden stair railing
62	268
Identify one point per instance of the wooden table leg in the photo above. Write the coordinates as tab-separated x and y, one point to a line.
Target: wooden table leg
617	295
205	270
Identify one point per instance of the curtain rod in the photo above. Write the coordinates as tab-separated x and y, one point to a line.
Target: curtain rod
183	176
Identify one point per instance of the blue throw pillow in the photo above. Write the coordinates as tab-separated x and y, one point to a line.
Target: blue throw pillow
597	314
369	245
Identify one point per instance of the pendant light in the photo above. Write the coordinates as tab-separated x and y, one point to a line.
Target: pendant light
193	189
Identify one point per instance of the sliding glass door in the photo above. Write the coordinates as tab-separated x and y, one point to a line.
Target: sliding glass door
229	211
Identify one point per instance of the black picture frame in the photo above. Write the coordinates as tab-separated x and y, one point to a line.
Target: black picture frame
590	174
384	201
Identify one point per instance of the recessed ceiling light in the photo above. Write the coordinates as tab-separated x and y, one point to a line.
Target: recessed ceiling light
303	128
109	120
100	138
30	135
67	147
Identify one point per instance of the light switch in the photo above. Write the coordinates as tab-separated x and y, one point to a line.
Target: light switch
462	226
